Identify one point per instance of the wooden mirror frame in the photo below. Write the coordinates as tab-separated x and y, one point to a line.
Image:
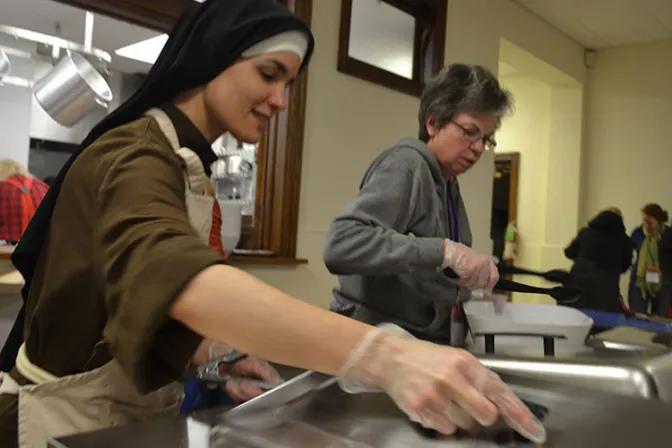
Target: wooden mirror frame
430	22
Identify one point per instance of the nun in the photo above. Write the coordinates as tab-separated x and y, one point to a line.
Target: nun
123	294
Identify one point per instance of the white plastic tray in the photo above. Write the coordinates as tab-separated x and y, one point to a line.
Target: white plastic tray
522	319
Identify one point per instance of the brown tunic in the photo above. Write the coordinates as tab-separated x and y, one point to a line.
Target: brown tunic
119	251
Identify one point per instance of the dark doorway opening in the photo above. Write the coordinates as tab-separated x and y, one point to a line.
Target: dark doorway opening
504	199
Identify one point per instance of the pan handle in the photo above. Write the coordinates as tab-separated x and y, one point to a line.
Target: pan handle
504	284
503	269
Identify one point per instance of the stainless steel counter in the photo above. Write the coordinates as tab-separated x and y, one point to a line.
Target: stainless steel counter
612	367
609	395
575	418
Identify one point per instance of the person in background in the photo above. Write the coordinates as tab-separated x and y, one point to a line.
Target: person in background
665	256
601	252
409	220
648	291
122	293
20	195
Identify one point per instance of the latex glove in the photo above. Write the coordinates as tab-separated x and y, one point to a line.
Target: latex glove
249	368
476	270
499	300
442	388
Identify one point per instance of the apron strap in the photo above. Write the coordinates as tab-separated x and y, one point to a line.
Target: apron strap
29	370
165	125
194	172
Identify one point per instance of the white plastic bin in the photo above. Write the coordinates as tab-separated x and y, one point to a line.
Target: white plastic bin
521	319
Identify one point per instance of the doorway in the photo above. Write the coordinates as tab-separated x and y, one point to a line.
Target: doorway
504	199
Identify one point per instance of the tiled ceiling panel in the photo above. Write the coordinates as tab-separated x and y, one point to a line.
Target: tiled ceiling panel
606	23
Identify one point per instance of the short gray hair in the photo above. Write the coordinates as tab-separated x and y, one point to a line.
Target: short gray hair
461	88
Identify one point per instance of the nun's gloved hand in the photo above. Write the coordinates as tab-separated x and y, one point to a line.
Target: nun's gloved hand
442	388
476	270
244	374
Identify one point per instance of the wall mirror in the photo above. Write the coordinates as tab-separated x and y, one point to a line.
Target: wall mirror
395	43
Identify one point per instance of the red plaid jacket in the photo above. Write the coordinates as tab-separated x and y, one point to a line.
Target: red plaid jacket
19	197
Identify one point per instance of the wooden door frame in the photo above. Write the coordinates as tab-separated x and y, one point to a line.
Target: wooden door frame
514	159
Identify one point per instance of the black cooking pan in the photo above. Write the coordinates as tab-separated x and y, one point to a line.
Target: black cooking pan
562	294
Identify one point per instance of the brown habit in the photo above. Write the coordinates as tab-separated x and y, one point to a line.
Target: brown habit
119	251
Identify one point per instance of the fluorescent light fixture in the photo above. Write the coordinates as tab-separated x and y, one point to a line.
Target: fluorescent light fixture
144	51
147	50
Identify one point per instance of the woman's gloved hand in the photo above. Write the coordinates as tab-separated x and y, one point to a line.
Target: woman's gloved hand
244	373
476	270
499	300
442	388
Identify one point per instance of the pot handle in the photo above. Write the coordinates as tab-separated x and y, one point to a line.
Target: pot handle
102	103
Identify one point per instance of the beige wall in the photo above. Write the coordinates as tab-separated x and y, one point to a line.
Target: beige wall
349	121
527	132
628	153
546	130
628	143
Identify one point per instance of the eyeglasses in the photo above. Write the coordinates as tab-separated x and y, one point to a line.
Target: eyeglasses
473	135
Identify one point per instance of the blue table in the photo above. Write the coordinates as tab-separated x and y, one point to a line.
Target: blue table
610	320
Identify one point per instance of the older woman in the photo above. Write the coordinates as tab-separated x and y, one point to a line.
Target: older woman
648	290
122	293
409	220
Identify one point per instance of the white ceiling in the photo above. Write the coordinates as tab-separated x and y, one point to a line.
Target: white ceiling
108	34
593	23
606	23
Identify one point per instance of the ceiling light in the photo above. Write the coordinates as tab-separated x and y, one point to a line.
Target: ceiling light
144	51
147	50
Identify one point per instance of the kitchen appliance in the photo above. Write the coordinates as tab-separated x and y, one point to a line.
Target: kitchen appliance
72	89
233	176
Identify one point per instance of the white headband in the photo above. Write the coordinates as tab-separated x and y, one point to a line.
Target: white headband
291	41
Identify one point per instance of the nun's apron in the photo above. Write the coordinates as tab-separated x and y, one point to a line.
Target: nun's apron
104	397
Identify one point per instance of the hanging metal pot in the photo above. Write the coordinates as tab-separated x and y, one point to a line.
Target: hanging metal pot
5	65
72	89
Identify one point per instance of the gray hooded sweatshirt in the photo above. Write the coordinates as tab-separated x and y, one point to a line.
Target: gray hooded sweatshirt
387	245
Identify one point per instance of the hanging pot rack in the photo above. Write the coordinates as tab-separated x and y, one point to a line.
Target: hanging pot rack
56	43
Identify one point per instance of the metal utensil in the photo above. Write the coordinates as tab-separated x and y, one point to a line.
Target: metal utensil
72	89
272	410
554	275
562	294
209	373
